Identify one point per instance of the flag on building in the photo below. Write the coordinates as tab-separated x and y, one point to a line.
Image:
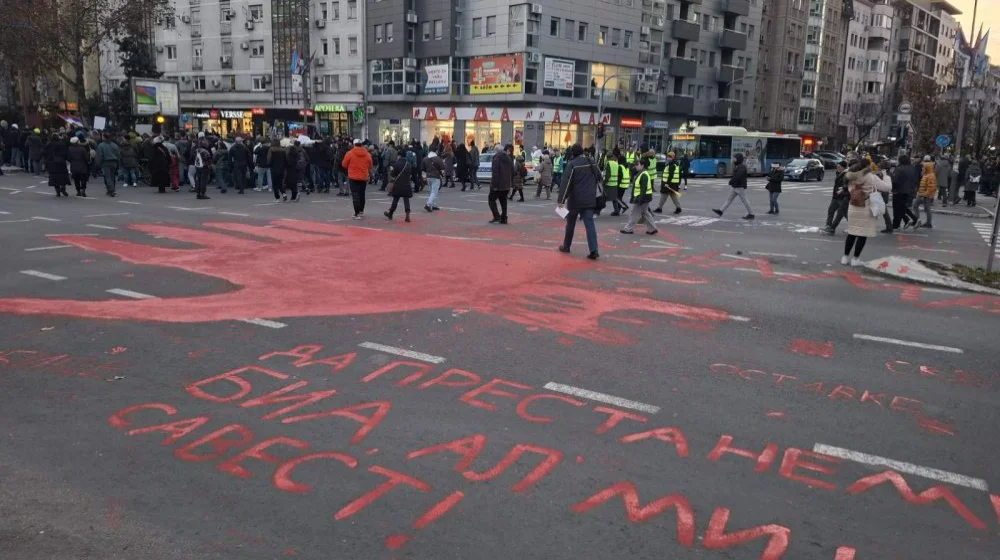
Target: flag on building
980	60
963	59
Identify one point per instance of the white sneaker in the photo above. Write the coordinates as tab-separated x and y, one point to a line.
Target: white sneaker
857	262
845	260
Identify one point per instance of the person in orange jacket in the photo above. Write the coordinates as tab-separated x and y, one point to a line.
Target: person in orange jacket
358	163
925	194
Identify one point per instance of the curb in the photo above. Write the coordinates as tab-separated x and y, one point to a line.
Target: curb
965	214
882	267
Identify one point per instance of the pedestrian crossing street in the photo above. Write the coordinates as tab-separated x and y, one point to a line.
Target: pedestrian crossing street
693	221
985	229
759	183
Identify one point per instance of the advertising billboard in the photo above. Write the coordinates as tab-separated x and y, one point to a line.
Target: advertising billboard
559	74
150	97
438	78
497	74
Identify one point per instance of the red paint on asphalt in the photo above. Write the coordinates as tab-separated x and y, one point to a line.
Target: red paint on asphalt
810	348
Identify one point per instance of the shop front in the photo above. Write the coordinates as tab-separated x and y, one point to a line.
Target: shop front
242	122
488	126
656	134
334	119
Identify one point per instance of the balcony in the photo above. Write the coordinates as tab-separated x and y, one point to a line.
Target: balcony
683	68
733	40
727	109
680	105
737	7
226	28
876	32
197	64
686	30
730	74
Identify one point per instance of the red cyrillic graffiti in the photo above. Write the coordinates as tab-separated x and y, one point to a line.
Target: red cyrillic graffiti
638	513
305	355
437	510
176	429
274	397
219	443
792	460
717	539
233	376
468	379
368	423
282	477
488	388
420	368
120	419
233	467
522	407
666	435
552	459
930	495
468	447
615	417
763	459
394	479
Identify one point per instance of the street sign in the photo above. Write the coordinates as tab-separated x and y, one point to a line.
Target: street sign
904	117
905	108
943	141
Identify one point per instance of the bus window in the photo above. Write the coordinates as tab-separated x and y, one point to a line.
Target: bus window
782	148
681	147
715	147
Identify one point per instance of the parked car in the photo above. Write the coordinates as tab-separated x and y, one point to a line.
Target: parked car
804	169
829	159
485	171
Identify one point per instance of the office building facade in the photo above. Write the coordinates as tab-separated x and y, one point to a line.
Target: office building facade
541	73
870	75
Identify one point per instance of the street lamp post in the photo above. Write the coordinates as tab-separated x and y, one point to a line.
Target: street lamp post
600	109
729	106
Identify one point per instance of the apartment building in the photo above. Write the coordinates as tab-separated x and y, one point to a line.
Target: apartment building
927	39
869	73
782	51
233	62
543	72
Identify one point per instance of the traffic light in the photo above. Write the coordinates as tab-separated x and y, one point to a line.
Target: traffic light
158	122
159	119
600	130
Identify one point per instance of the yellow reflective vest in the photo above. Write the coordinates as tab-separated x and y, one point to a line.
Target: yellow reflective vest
630	157
611	176
672	173
626	176
637	190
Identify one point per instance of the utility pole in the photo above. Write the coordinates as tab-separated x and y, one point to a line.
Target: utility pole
960	135
600	109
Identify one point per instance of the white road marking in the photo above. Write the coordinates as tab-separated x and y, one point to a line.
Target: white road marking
235	214
942	291
368	228
130	294
268	204
14	192
186	209
429	358
822	240
900	466
4	213
723	231
737	257
786	255
31	187
44	275
128	202
8	188
264	323
102	215
44	219
462	238
72	234
99	226
50	247
739	318
908	343
14	221
601	397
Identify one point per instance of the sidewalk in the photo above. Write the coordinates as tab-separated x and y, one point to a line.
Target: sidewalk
916	270
985	208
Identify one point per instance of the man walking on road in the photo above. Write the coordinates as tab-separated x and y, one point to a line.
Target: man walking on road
670	185
578	194
433	168
358	163
239	156
738	188
500	182
642	197
837	210
108	154
905	181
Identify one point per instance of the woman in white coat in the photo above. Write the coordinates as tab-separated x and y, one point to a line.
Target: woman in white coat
862	223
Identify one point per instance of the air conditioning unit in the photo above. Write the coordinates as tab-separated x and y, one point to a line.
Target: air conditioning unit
649	71
644	30
410	88
268	78
370	109
320	24
318	80
159	48
229	14
186	18
185	79
320	62
248	25
216	83
409	63
319	87
245	46
536	9
411	17
535	58
226	59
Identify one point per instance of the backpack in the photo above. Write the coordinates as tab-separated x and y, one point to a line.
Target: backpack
302	163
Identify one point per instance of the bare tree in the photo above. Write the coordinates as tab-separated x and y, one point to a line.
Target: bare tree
932	113
865	113
59	36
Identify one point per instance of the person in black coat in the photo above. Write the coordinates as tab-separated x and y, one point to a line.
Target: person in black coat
774	180
293	170
240	158
55	154
159	165
79	164
578	195
324	158
501	180
277	158
400	186
738	188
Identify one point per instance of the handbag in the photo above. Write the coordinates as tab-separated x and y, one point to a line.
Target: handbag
877	206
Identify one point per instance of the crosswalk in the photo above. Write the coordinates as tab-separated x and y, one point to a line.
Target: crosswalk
693	221
759	184
985	230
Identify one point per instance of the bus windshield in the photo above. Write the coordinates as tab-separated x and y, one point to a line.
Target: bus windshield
680	147
715	147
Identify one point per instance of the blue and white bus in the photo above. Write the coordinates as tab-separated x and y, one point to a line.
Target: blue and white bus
711	149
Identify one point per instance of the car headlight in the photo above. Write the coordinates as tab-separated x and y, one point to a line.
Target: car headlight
796	172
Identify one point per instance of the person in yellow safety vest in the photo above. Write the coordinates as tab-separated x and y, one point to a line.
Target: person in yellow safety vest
642	197
630	157
612	176
670	185
624	181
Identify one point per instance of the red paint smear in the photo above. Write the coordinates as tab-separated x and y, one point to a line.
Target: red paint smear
565	341
579	459
844	553
810	348
291	551
395	542
372	451
504	281
775	414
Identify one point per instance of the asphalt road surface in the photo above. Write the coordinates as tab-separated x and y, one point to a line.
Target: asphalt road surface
235	378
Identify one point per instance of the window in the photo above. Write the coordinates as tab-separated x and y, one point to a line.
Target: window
352	46
808	89
706	22
170	22
353	78
336	46
711	59
199	83
388	33
258	83
336	10
616	37
171	52
324	47
554	24
750	30
378	33
491	26
332	82
702	58
581	32
670	12
425	30
806	116
256	13
196	60
352	9
716	24
229	82
627	41
477	27
438	30
602	35
324	14
570	29
257	49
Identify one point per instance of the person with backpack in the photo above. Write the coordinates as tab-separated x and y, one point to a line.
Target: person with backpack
296	166
433	170
343	188
862	221
129	164
520	175
221	164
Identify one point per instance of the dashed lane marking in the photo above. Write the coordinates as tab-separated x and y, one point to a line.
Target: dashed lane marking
44	275
786	255
128	202
908	343
72	234
739	319
264	323
187	209
4	213
99	226
429	358
49	248
900	466
130	294
44	219
14	221
103	215
602	397
236	214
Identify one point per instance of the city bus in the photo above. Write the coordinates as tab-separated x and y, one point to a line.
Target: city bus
710	149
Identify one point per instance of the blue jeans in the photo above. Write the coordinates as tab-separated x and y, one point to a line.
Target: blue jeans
774	201
222	177
263	177
16	158
36	166
435	185
587	215
131	175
